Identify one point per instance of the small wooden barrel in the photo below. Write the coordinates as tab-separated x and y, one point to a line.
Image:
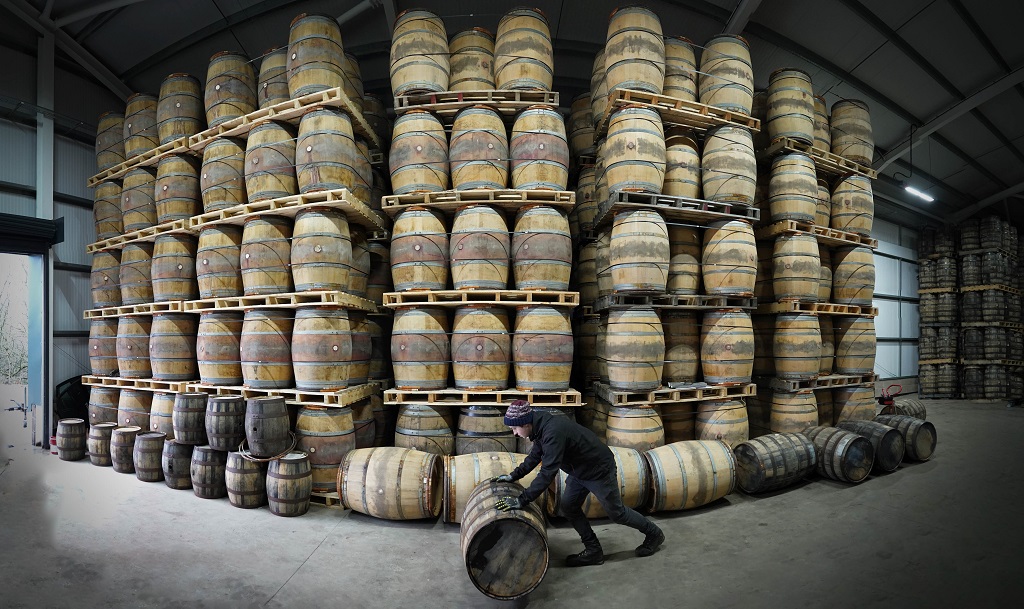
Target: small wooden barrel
634	349
420	349
690	474
179	109
792	412
729	259
639	252
177	194
103	346
172	346
796	268
919	435
189	418
639	428
106	210
176	463
222	181
853	404
266	255
376	114
419	251
909	407
635	154
599	88
423	428
245	482
362	349
851	131
265	349
586	273
773	462
321	349
289	485
146	456
379	280
363	187
539	149
481	348
321	251
132	346
230	88
724	420
218	343
855	345
728	166
793	188
410	481
682	166
225	422
471	53
797	346
419	54
315	55
842	455
98	443
887	442
218	270
138	205
325	151
207	472
140	129
726	78
103	404
71	435
174	268
682	346
684	276
161	414
853	205
823	205
523	56
604	269
270	161
542	348
822	133
103	279
541	249
635	53
506	553
266	426
480	249
727	347
365	424
122	444
680	69
853	276
464	473
136	273
581	127
482	430
633	478
272	80
418	160
790	106
109	140
479	150
825	277
586	202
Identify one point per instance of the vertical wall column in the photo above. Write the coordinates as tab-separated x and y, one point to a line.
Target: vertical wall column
41	375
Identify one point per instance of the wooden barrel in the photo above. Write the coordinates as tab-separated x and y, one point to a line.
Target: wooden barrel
842	455
599	88
823	205
764	336
179	109
103	279
682	165
797	346
321	251
109	140
482	430
682	346
172	346
828	345
853	404
774	461
855	345
586	273
541	249
680	69
173	272
420	349
161	413
825	276
359	272
635	154
133	408
136	273
480	249
919	435
379	280
384	420
418	160
380	346
218	267
633	478
189	418
140	128
481	348
635	53
796	268
853	205
909	407
822	134
419	248
352	83
265	349
362	187
639	428
97	443
132	346
639	252
325	435
270	161
726	78
851	131
793	188
321	349
887	442
523	57
690	474
225	422
792	412
471	53
790	106
266	426
581	126
146	454
423	428
362	348
176	463
729	260
465	472
365	424
272	80
222	181
601	261
103	404
177	195
71	435
207	471
217	348
325	151
122	443
103	346
542	348
634	349
230	88
106	210
245	482
266	255
315	55
410	481
853	276
419	54
506	553
479	150
539	150
727	347
138	206
586	199
724	420
728	166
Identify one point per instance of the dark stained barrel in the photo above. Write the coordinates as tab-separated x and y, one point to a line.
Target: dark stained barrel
207	471
176	461
71	435
887	442
842	455
266	426
919	435
773	461
225	422
189	418
122	443
146	456
246	482
98	443
289	485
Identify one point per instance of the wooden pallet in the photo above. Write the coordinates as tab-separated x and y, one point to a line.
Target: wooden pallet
150	233
993	324
673	396
825	161
137	384
939	324
989	250
695	302
817	308
329	500
826	236
146	159
459	298
980	288
698	211
458	397
289	300
992	362
451	200
336	399
832	381
676	112
148	308
944	360
936	290
447	104
384	384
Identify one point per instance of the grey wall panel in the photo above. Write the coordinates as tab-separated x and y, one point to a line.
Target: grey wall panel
79	231
17	153
887	360
909	321
887	276
887	324
73	163
908	362
70	358
70	297
908	279
18	205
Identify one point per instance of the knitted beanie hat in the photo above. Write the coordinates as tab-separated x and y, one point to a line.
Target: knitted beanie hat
519	414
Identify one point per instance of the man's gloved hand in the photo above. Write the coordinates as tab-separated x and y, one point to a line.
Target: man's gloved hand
502	478
507	504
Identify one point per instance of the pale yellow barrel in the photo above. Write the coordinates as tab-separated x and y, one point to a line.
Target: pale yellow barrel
325	151
790	106
478	153
823	205
419	53
179	109
523	57
684	260
581	126
539	150
217	348
682	346
326	435
598	88
140	130
136	273
177	195
853	404
352	81
426	429
793	412
481	348
266	255
272	81
103	404
480	249
586	197
635	153
104	282
321	349
601	192
729	259
604	270
420	348
418	160
726	78
222	181
103	346
853	205
542	348
793	188
133	408
321	251
265	349
270	161
634	349
636	427
137	199
419	251
481	430
471	54
541	249
682	165
109	140
727	347
132	346
230	88
639	252
853	276
764	336
172	347
586	273
218	267
796	268
362	188
359	273
680	69
850	127
174	268
855	345
724	420
825	278
728	166
409	480
828	345
106	210
315	55
822	132
690	474
797	346
635	50
464	473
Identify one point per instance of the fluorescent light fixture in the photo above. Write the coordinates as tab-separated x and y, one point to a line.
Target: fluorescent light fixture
918	193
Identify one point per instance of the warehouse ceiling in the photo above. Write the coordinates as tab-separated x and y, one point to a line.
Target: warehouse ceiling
944	78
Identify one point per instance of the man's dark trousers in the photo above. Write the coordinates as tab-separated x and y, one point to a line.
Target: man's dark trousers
606	490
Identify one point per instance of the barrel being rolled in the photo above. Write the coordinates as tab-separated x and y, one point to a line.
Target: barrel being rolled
842	455
690	474
463	473
773	461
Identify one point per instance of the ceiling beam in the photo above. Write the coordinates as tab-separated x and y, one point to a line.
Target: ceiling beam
1006	193
390	13
96	9
740	16
984	40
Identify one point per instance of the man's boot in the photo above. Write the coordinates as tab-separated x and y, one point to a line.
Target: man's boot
651	542
589	556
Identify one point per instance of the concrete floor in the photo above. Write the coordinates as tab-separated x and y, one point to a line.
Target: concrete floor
942	533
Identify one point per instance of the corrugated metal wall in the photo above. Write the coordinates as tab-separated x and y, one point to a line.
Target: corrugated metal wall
17	154
70	297
73	163
70	358
79	231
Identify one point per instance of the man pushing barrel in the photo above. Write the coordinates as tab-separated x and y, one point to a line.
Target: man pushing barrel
561	443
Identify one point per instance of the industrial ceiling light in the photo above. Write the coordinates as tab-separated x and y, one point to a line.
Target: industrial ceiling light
918	193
